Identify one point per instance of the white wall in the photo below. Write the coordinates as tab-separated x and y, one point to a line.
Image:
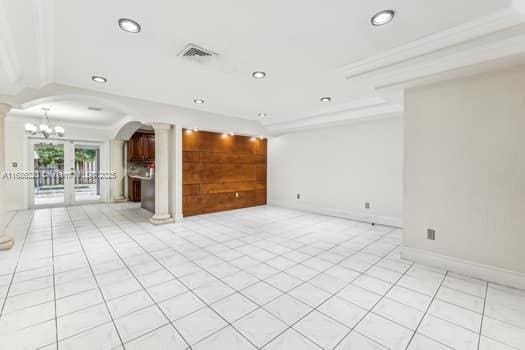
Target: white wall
17	152
465	173
337	169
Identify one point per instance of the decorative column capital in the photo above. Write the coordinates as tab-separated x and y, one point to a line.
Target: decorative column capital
161	126
4	108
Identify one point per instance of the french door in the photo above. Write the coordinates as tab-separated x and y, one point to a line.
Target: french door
65	172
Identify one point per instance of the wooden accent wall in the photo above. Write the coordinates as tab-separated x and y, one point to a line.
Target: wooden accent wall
222	172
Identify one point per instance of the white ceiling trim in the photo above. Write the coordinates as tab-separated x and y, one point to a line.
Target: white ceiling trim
95	100
21	116
352	105
471	30
336	118
488	51
43	18
8	58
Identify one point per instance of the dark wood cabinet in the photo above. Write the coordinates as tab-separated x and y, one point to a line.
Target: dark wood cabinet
135	149
149	148
141	147
134	188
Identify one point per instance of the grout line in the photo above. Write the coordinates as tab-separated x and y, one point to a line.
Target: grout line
380	299
242	237
483	313
181	282
426	311
140	283
93	273
54	286
17	261
331	296
382	235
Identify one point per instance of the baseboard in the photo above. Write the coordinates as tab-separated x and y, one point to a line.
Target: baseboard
347	214
486	272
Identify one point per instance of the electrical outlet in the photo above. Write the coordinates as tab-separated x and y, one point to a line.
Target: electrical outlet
14	165
431	234
298	196
367	205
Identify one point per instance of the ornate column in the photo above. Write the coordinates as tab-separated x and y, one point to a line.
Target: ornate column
178	173
117	167
6	242
162	183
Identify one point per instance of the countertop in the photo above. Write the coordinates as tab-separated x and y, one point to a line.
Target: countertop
141	177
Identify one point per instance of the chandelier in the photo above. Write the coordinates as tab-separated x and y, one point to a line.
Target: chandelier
44	129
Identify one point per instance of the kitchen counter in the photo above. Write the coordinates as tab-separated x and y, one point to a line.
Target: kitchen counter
148	178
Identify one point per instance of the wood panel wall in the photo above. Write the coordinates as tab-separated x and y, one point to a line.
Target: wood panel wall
222	172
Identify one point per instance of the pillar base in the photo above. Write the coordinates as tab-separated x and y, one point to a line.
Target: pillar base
6	242
161	220
120	199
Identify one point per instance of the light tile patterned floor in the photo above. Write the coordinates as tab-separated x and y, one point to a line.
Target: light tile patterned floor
102	277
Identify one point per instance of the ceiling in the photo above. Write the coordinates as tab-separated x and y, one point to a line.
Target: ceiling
74	111
303	46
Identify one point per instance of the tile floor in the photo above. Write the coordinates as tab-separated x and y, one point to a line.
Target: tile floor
102	277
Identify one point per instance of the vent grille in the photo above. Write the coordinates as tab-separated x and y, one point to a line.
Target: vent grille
193	51
196	53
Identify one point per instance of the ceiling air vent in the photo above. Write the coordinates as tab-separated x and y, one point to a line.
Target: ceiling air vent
196	53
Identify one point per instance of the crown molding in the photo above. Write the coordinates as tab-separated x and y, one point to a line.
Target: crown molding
495	22
8	57
487	51
371	111
20	116
43	24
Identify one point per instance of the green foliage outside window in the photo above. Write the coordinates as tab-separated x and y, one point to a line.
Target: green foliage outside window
52	156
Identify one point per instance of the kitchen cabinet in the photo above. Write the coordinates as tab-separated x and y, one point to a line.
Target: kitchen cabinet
141	147
134	188
149	148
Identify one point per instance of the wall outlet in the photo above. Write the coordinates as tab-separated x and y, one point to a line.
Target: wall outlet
14	165
431	234
298	196
236	194
367	205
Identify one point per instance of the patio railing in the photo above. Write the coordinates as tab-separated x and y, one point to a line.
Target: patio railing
85	174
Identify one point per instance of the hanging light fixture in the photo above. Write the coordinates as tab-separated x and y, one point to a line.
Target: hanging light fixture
45	129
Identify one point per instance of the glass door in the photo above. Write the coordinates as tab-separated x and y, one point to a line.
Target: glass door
86	170
66	172
49	183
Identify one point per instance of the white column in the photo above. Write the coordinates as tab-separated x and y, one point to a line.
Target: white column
6	242
178	173
117	167
162	210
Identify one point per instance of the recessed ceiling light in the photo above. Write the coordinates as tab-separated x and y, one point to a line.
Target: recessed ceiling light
129	25
258	74
231	133
382	18
326	99
195	129
198	101
262	115
99	79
